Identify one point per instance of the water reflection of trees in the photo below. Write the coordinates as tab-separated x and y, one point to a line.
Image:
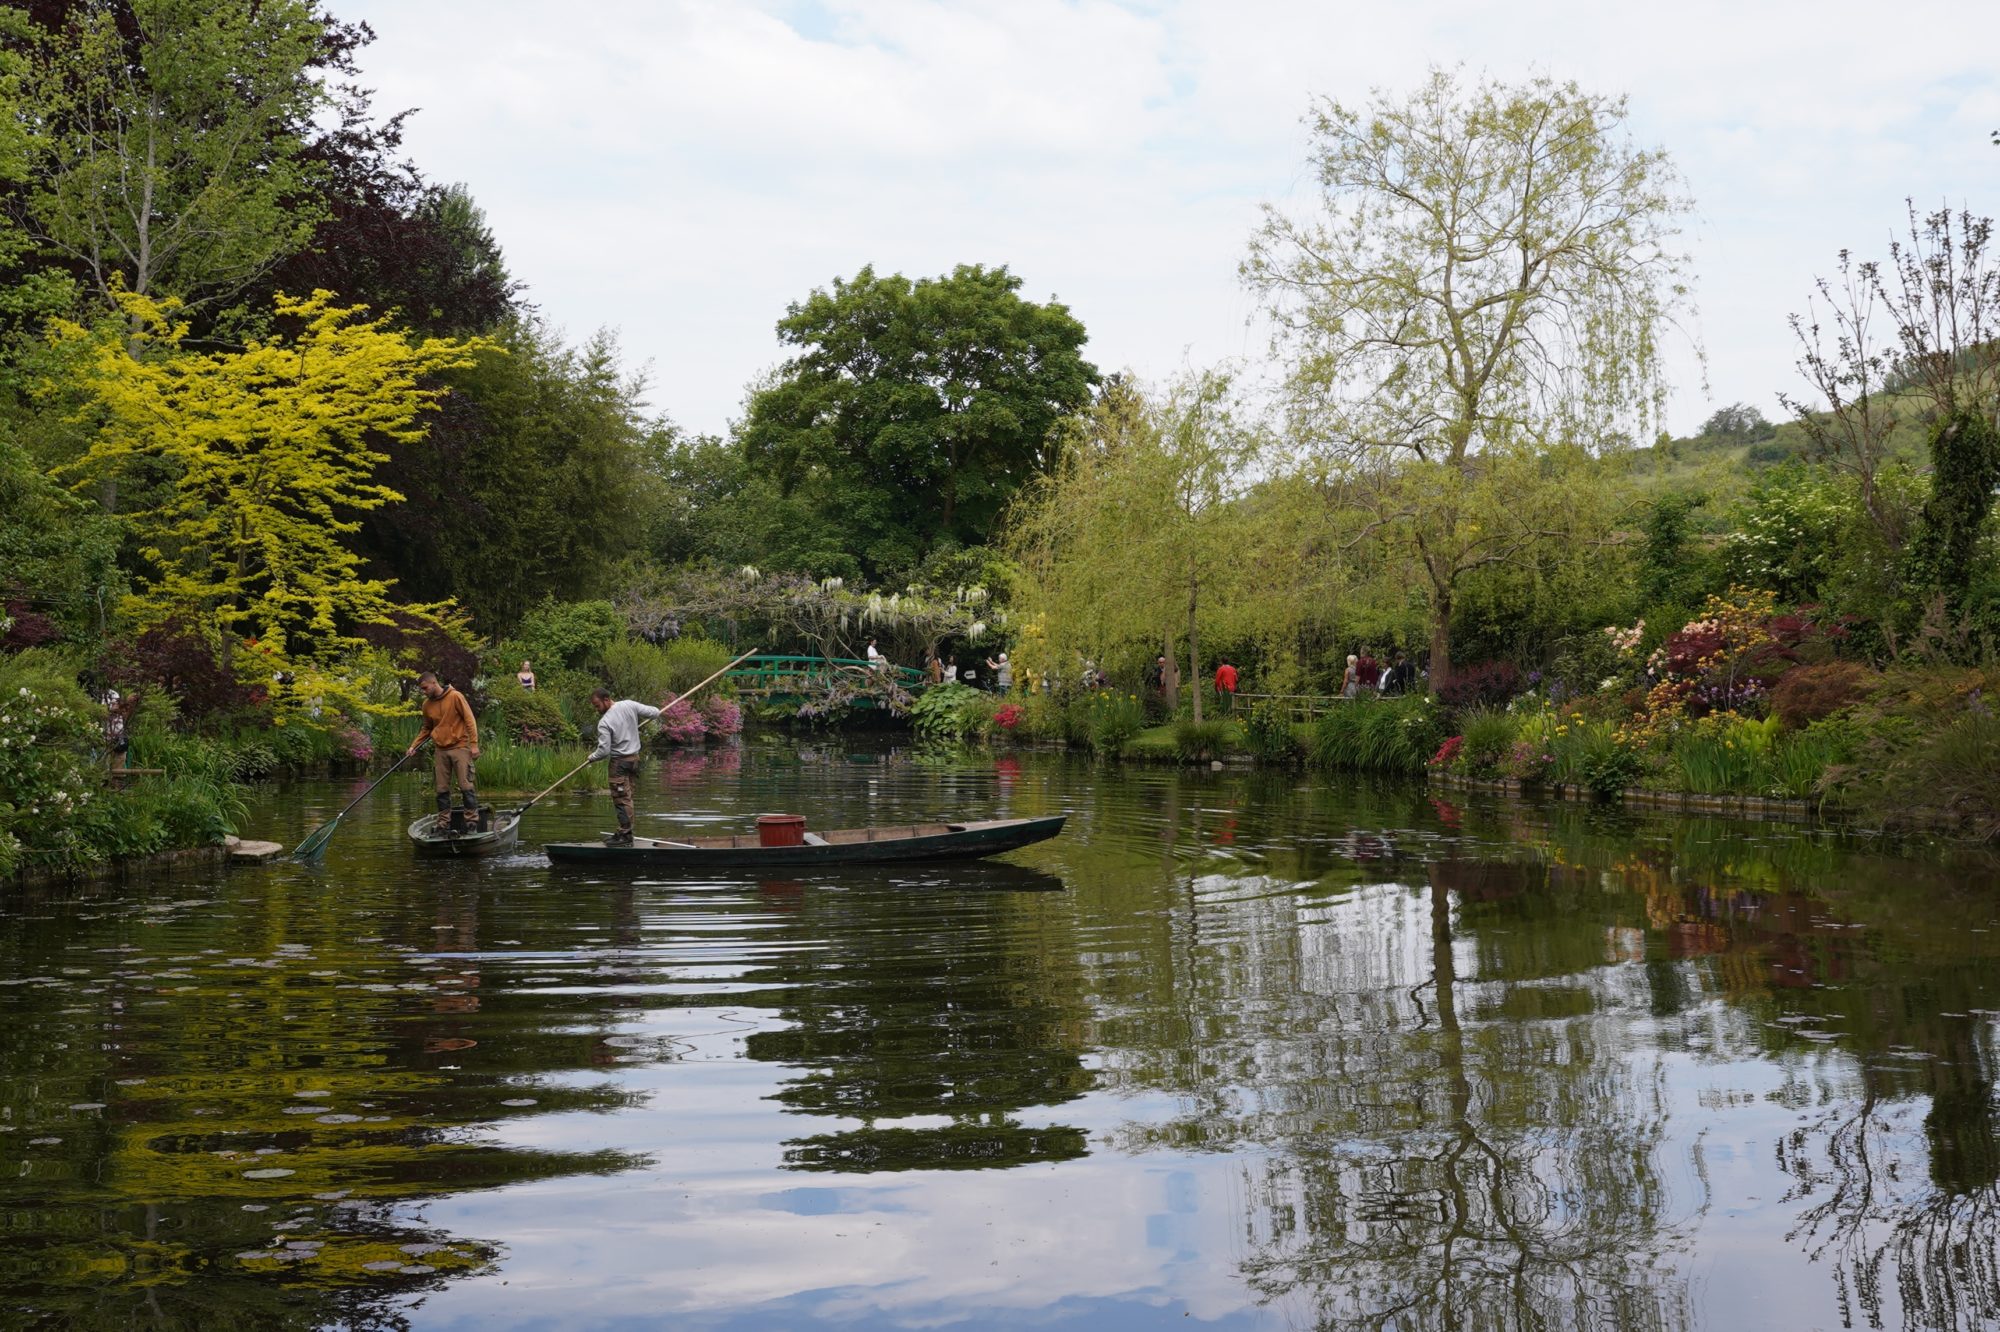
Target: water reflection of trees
212	1128
1443	1128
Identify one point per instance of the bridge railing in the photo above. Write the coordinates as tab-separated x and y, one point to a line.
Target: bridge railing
1294	707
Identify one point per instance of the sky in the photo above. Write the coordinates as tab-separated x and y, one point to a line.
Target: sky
679	171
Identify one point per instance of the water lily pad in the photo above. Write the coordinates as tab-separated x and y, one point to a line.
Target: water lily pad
519	1100
269	1172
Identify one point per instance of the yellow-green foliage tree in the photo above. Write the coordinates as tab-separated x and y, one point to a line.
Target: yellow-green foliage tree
262	457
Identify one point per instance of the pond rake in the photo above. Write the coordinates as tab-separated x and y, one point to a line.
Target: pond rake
316	840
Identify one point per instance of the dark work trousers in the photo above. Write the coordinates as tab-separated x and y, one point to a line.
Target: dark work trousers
624	774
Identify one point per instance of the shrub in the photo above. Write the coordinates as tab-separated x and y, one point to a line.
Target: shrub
680	724
1806	694
47	787
1040	717
721	714
1488	737
1528	761
529	716
184	664
1488	684
1267	731
653	672
565	633
1199	742
952	712
1611	769
1447	753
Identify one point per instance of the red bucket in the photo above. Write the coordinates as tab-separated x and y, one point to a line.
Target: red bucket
781	830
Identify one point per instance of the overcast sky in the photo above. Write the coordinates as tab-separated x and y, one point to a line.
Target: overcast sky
680	170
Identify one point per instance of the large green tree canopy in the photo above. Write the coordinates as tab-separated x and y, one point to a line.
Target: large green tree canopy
917	409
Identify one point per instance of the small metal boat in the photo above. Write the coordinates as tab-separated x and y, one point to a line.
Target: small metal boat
843	846
494	832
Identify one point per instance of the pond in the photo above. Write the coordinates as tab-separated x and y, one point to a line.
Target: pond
1249	1050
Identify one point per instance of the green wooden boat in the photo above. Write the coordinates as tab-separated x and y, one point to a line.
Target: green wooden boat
496	832
843	846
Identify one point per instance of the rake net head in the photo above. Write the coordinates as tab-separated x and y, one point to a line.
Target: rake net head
315	842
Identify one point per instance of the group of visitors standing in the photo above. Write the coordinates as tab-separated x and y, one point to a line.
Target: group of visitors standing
1364	674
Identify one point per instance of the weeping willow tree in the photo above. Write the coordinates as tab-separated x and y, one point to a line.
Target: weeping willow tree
1154	527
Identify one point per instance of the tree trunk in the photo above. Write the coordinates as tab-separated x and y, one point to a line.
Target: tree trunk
1194	642
1440	643
1170	676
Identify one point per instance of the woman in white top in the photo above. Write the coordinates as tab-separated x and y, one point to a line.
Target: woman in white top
1350	683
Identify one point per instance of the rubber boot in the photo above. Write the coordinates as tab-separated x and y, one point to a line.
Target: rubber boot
468	810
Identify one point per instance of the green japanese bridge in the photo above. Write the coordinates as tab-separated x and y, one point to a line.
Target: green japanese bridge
782	679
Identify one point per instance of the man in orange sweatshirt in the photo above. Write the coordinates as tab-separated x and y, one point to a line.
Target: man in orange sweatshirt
454	735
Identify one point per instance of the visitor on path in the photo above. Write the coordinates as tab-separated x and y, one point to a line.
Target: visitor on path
1225	685
1397	679
1002	673
876	661
951	670
1369	670
1350	681
525	677
618	740
454	735
934	670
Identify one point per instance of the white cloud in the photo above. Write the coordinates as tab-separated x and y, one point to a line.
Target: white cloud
683	170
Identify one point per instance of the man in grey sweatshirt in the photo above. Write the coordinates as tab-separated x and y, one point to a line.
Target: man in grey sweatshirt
618	726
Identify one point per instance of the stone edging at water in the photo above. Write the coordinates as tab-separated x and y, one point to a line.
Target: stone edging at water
1748	807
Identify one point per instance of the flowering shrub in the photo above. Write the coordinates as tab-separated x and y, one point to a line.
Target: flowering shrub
721	715
680	724
1528	761
1625	642
1447	753
45	786
1008	717
354	743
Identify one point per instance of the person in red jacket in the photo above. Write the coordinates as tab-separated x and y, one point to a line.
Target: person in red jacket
1225	685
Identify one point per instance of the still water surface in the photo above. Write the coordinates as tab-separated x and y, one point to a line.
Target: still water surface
1241	1050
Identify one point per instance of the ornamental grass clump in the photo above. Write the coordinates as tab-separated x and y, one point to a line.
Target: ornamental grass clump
1723	754
1202	742
1488	738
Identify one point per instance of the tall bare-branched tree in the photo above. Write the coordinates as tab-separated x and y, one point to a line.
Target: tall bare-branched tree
1479	292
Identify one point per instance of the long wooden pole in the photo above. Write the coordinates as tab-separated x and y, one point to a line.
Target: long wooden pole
690	692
